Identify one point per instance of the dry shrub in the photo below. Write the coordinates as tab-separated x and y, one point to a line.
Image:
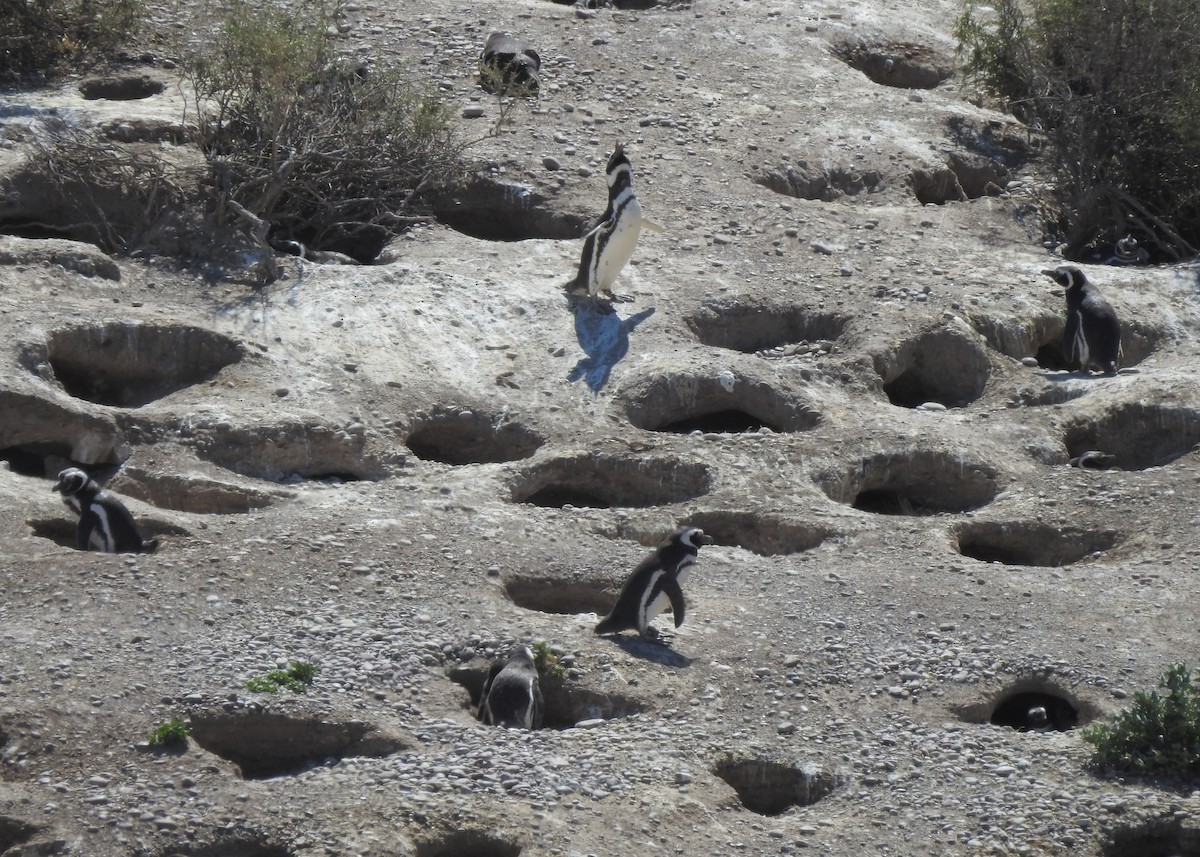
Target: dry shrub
40	35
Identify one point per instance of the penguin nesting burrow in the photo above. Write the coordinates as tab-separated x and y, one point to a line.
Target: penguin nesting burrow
508	67
1092	338
512	694
654	585
104	522
609	246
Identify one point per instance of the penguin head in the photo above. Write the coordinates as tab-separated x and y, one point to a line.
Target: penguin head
693	537
1072	279
619	170
522	654
71	481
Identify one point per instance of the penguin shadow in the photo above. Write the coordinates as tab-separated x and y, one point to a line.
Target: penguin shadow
604	337
651	650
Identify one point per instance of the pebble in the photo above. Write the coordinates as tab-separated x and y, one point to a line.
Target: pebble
472	112
551	163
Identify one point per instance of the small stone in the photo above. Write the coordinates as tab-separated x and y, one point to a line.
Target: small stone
1029	361
722	238
785	728
473	112
931	406
551	163
683	777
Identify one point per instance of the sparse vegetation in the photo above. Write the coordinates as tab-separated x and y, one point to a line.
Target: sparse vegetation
307	146
547	661
297	678
40	35
1115	87
173	733
1157	734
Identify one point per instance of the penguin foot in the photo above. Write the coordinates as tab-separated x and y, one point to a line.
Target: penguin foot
621	299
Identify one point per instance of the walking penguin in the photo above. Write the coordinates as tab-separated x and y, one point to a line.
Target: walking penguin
104	522
609	246
1092	338
655	584
512	696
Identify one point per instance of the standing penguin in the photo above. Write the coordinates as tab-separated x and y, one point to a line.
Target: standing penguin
512	695
104	522
609	246
654	584
1092	338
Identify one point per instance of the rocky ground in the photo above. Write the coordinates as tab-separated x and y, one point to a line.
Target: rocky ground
839	361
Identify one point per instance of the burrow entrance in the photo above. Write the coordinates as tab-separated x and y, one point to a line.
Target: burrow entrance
770	787
494	210
61	531
264	744
566	702
293	452
471	437
751	328
1155	839
720	403
1138	341
467	843
234	845
804	181
14	832
556	595
913	483
127	365
1031	543
1032	705
602	481
897	64
960	178
40	460
765	535
946	366
124	87
1138	435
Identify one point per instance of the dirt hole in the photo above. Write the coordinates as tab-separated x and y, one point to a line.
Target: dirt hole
913	483
265	744
61	531
1138	341
1032	705
1155	839
494	210
236	845
127	365
1031	543
555	595
14	832
467	843
292	452
468	437
764	535
1138	435
944	366
751	328
566	702
770	787
189	492
719	403
40	460
610	481
898	64
128	87
818	183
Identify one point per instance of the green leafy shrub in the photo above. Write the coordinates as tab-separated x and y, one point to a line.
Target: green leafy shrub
547	661
306	146
1115	87
173	733
38	35
296	678
1158	733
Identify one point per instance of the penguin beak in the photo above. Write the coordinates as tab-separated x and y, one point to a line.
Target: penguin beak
702	539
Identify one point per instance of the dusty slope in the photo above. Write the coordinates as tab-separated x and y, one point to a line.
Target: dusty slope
393	471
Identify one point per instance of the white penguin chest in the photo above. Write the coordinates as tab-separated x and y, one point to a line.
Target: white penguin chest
661	601
618	243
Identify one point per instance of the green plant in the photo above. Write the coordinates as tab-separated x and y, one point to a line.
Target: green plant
1115	88
306	146
296	678
38	35
1158	733
547	661
170	734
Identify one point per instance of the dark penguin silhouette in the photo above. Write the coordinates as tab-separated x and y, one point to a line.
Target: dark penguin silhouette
509	67
654	585
512	695
1092	338
104	522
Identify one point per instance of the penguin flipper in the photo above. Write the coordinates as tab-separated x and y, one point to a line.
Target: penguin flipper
671	588
83	531
1071	336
